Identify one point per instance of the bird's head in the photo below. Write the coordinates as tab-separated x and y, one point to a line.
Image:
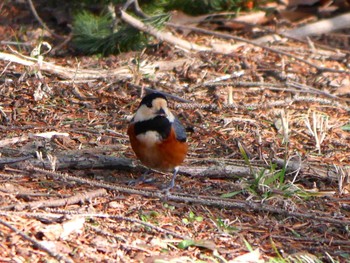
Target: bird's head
153	105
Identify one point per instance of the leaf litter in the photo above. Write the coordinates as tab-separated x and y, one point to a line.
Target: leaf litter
274	211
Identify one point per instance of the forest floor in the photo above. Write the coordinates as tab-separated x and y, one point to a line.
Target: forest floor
266	178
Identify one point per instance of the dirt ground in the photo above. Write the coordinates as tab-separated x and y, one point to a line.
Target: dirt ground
266	177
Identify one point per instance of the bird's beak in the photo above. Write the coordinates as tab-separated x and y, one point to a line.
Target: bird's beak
161	112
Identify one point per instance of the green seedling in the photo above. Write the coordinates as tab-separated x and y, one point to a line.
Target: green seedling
192	218
224	226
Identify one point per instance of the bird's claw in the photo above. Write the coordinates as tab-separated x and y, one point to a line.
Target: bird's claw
141	180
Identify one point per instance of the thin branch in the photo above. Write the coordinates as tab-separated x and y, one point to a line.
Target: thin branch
78	198
95	160
202	200
124	243
41	22
54	212
278	103
9	160
37	244
2	72
272	86
14	43
60	46
132	220
320	27
88	74
138	11
319	69
314	240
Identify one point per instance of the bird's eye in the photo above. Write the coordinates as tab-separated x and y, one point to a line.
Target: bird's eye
149	104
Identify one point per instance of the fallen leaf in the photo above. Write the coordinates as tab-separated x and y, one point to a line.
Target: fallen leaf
251	257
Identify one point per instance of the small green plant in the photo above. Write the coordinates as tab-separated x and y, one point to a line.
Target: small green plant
279	258
208	244
266	180
231	194
224	225
271	180
167	206
192	218
150	216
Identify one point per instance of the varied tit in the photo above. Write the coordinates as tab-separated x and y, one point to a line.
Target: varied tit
157	136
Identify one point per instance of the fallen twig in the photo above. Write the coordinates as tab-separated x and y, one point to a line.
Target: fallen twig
88	74
317	28
82	160
319	69
132	220
37	244
272	86
279	103
318	240
80	197
203	200
320	27
124	243
53	213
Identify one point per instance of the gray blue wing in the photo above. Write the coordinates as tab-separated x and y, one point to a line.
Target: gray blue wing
180	131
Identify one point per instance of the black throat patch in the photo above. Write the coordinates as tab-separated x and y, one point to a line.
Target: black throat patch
159	124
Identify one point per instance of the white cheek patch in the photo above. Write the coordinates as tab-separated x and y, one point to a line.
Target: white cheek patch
142	114
149	138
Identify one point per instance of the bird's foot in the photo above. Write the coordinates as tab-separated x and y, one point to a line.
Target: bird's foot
141	180
138	181
166	188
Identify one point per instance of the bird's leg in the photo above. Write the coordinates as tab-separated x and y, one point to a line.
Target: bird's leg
172	181
142	179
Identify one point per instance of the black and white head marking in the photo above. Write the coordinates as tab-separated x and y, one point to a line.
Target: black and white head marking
153	120
151	106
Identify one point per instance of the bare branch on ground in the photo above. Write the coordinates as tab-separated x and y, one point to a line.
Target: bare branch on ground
37	244
319	69
78	198
88	74
320	27
195	199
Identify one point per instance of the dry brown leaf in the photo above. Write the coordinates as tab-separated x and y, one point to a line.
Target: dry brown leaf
62	231
251	257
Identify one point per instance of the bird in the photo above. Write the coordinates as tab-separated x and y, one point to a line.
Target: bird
157	136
